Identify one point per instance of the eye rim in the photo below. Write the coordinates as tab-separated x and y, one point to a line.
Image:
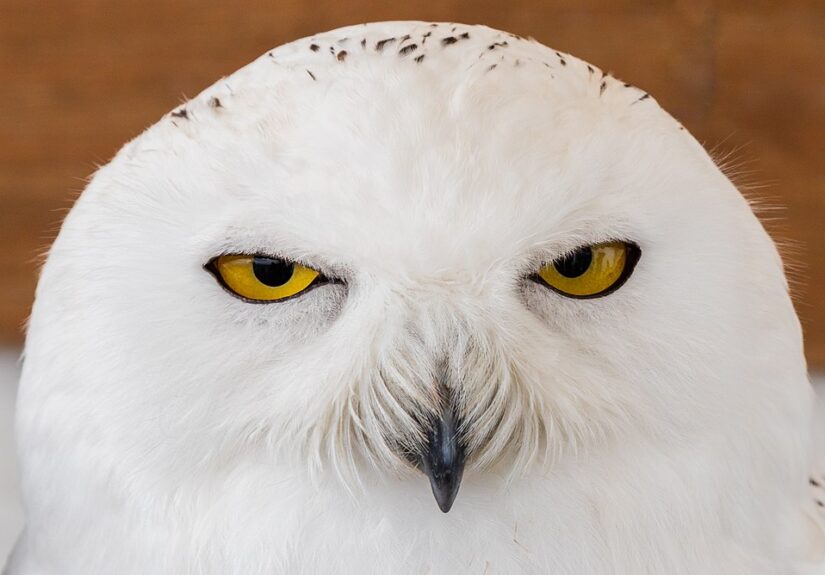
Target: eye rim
632	255
320	280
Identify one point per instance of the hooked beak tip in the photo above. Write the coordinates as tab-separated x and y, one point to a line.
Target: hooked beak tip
445	494
443	459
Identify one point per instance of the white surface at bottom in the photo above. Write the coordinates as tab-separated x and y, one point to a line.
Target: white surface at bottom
11	510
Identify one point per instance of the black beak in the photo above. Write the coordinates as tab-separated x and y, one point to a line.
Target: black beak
443	458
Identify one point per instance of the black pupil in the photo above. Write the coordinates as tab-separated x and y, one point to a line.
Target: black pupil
272	272
575	264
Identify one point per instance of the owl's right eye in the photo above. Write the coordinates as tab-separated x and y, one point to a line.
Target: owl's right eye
263	279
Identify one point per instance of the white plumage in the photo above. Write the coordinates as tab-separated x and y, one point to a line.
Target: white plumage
165	426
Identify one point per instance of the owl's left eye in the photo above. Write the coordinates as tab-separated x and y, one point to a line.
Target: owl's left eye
591	271
262	279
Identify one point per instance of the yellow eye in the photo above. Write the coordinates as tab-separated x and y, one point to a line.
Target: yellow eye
591	271
261	278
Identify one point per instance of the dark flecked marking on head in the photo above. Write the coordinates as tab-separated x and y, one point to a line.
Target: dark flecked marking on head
381	43
311	75
342	55
517	63
404	38
446	41
407	49
626	85
813	482
343	40
419	59
644	97
364	43
562	61
433	25
314	47
602	87
495	45
465	36
491	67
181	113
214	102
818	502
590	69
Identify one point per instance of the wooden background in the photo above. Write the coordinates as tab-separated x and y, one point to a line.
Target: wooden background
79	78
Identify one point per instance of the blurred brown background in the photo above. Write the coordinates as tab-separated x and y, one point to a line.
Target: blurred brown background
81	77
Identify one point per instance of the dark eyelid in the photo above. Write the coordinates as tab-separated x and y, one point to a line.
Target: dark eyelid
330	277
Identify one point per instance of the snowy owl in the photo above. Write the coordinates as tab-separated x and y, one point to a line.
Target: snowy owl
404	260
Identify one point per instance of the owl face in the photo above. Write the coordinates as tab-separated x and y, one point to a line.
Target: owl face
354	262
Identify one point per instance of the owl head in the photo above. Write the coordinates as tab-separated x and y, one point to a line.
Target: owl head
410	248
